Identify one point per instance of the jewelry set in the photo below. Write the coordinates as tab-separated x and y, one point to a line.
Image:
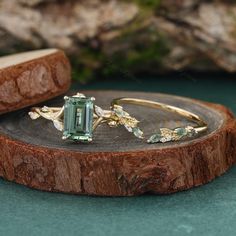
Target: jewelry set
79	118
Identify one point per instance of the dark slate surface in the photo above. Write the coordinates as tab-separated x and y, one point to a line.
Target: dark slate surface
18	125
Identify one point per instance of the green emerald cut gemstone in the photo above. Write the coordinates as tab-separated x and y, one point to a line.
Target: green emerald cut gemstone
78	119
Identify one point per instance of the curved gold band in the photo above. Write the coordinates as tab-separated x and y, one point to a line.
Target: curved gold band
202	125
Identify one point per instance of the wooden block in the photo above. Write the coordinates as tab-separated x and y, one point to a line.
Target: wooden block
117	163
32	77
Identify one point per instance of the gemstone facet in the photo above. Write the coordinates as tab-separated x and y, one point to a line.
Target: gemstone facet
78	119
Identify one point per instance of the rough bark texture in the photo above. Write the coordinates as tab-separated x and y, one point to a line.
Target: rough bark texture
33	80
111	167
126	35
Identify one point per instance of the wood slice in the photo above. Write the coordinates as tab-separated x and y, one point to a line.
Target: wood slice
32	77
116	163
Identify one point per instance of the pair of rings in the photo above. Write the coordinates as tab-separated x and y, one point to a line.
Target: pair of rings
79	118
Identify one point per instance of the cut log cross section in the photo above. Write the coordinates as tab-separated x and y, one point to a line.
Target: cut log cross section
116	163
32	77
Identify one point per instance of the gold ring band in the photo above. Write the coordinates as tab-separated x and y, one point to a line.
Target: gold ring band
166	134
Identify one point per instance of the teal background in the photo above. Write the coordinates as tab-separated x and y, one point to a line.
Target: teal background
206	210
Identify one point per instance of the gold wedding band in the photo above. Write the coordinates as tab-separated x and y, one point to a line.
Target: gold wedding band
165	134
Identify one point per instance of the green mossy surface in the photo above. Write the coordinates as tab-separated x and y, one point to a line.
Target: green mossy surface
146	48
86	64
151	4
139	57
